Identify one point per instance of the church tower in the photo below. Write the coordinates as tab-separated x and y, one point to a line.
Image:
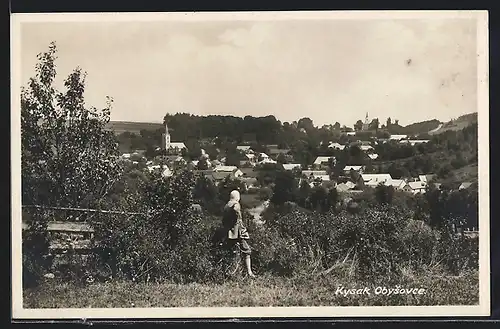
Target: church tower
167	137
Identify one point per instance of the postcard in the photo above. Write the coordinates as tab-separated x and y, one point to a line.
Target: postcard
250	165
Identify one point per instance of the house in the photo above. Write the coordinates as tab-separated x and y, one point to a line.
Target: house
126	155
175	158
225	168
267	160
243	148
397	137
464	185
165	171
233	171
425	178
345	187
336	146
196	207
313	174
308	173
292	166
276	151
176	145
347	169
373	156
417	187
263	156
414	142
323	160
365	148
398	184
351	133
219	176
250	157
374	180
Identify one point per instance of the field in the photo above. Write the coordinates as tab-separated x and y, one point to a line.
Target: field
134	127
262	291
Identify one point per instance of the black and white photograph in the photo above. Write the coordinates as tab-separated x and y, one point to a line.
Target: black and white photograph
250	164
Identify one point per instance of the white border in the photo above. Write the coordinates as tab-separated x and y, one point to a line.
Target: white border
483	309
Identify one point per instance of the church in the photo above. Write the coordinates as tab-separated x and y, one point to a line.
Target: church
170	146
366	124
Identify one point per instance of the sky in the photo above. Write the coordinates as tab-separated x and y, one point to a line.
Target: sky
328	70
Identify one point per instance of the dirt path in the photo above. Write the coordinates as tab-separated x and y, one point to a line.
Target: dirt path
257	211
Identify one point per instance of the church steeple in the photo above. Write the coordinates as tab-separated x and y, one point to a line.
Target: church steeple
366	118
167	137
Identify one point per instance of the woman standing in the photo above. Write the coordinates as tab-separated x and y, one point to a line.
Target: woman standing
237	234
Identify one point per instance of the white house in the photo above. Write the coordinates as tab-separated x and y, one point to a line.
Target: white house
315	174
414	142
366	148
417	187
243	148
347	169
425	178
373	156
336	146
374	180
166	172
398	184
464	185
292	166
225	168
397	137
268	160
322	160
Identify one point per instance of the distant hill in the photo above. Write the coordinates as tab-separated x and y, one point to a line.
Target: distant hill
421	127
456	124
433	127
134	127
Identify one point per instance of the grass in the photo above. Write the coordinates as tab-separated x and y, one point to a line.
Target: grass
265	290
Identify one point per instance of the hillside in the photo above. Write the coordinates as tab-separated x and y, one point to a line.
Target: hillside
134	127
421	127
457	124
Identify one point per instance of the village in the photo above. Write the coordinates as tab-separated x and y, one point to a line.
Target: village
352	178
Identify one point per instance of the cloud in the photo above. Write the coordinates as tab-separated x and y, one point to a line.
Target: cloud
327	70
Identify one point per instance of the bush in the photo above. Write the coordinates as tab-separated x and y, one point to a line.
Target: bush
35	248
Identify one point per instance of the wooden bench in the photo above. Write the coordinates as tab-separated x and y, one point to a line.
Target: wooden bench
69	228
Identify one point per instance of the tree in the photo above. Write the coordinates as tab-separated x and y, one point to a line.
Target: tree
68	157
389	122
305	123
202	164
336	126
284	189
384	194
374	124
358	125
